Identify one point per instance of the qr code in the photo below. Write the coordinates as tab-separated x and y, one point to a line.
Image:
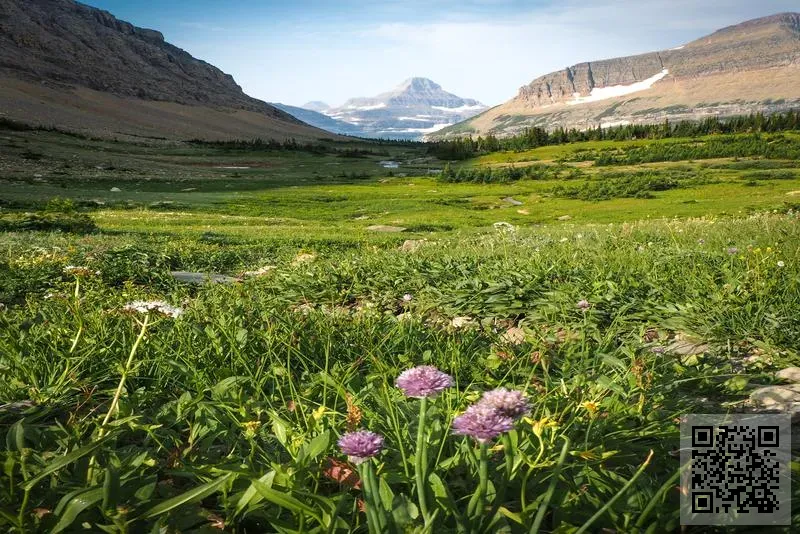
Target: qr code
735	469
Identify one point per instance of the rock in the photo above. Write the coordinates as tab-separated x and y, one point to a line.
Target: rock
565	218
523	212
462	322
385	228
412	245
790	374
784	399
260	272
687	347
514	336
512	201
202	278
115	190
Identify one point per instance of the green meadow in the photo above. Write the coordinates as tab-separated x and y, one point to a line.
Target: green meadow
219	406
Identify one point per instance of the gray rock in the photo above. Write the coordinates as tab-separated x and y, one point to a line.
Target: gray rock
202	278
784	399
512	201
412	245
790	374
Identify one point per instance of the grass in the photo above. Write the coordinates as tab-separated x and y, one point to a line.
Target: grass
228	415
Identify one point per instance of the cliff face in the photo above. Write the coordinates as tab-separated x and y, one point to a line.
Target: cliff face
762	43
66	42
581	79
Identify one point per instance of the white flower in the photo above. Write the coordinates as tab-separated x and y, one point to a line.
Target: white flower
781	264
563	240
504	226
157	306
80	271
462	322
407	297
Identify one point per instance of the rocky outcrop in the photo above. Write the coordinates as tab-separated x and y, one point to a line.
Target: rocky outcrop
62	43
750	67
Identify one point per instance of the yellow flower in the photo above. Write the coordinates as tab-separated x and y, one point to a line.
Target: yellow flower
251	428
769	249
590	406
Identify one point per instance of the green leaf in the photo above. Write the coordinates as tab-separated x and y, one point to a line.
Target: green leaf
279	429
110	488
251	495
73	504
194	494
315	447
15	439
284	500
65	460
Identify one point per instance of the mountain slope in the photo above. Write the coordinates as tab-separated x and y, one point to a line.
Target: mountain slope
753	66
66	64
319	120
415	107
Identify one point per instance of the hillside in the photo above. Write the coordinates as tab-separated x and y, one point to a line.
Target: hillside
409	111
753	66
319	120
72	66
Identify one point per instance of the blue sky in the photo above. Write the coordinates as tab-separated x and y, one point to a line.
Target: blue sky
293	51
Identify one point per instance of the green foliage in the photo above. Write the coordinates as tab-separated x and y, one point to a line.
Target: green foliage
230	413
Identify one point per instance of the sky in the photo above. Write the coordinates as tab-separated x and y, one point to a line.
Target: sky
295	51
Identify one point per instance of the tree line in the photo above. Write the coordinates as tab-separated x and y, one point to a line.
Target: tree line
468	147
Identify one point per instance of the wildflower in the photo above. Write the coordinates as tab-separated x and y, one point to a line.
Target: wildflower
510	403
407	297
251	428
423	381
658	350
80	271
781	264
157	306
563	240
701	241
732	251
504	226
589	406
482	422
354	413
583	305
361	445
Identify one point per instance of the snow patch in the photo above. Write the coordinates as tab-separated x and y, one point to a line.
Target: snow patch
461	109
367	108
678	47
612	91
418	119
432	129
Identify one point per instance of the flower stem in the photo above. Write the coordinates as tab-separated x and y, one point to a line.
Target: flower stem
421	461
551	488
477	503
124	377
371	497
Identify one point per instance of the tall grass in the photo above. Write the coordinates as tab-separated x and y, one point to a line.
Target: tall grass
228	416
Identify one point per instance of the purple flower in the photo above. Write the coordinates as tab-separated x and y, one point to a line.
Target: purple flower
482	422
361	445
658	349
583	305
510	403
423	381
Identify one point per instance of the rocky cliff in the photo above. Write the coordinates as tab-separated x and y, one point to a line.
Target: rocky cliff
63	46
752	66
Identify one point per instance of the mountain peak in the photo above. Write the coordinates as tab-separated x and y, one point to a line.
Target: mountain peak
418	84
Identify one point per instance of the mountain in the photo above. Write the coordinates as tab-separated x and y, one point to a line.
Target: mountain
72	66
319	120
414	108
316	105
749	67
